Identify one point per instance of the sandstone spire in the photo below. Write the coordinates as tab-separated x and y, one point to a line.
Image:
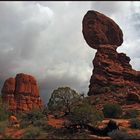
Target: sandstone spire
112	70
21	93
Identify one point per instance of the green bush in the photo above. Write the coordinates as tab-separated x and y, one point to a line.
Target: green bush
3	125
24	124
3	115
63	99
135	123
63	133
3	112
120	135
131	113
31	133
48	128
112	110
31	117
85	113
40	123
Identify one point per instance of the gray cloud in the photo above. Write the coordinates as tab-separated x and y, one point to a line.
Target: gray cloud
109	7
45	39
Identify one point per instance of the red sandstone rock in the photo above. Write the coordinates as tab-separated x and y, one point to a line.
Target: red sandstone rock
21	93
99	29
26	84
8	97
133	97
112	71
9	86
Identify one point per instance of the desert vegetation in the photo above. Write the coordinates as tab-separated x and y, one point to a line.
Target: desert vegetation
112	110
70	115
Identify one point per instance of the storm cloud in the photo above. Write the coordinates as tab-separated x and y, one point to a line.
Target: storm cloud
45	39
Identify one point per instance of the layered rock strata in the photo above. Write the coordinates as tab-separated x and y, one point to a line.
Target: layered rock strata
112	71
21	93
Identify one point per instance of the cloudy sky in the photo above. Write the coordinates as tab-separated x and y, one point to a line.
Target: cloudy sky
45	39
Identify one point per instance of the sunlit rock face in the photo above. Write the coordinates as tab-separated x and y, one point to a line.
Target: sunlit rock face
21	93
112	70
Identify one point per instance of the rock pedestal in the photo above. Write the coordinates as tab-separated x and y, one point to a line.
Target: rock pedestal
112	71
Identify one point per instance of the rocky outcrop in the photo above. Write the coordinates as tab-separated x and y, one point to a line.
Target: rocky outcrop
21	93
8	93
112	71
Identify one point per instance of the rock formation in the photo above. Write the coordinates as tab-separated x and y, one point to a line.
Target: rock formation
112	71
21	93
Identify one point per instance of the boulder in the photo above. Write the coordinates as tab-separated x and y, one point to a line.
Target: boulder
99	29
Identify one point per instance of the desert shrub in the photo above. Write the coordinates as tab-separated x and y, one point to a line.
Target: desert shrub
84	114
31	133
24	124
45	110
40	123
120	135
135	123
19	115
31	117
57	133
48	128
3	112
112	110
83	135
117	134
131	113
63	99
7	137
3	125
64	134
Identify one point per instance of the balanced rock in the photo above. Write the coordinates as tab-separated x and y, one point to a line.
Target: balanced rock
99	29
21	93
112	71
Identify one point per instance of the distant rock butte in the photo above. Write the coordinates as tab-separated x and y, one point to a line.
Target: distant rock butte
112	71
21	93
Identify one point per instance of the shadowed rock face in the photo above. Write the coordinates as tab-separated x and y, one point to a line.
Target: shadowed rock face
112	71
21	93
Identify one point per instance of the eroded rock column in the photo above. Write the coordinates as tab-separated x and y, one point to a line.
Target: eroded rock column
112	70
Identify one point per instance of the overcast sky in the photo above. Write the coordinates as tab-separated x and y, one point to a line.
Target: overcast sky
45	39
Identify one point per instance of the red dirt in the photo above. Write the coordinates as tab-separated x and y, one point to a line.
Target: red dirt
14	133
58	123
134	131
120	122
